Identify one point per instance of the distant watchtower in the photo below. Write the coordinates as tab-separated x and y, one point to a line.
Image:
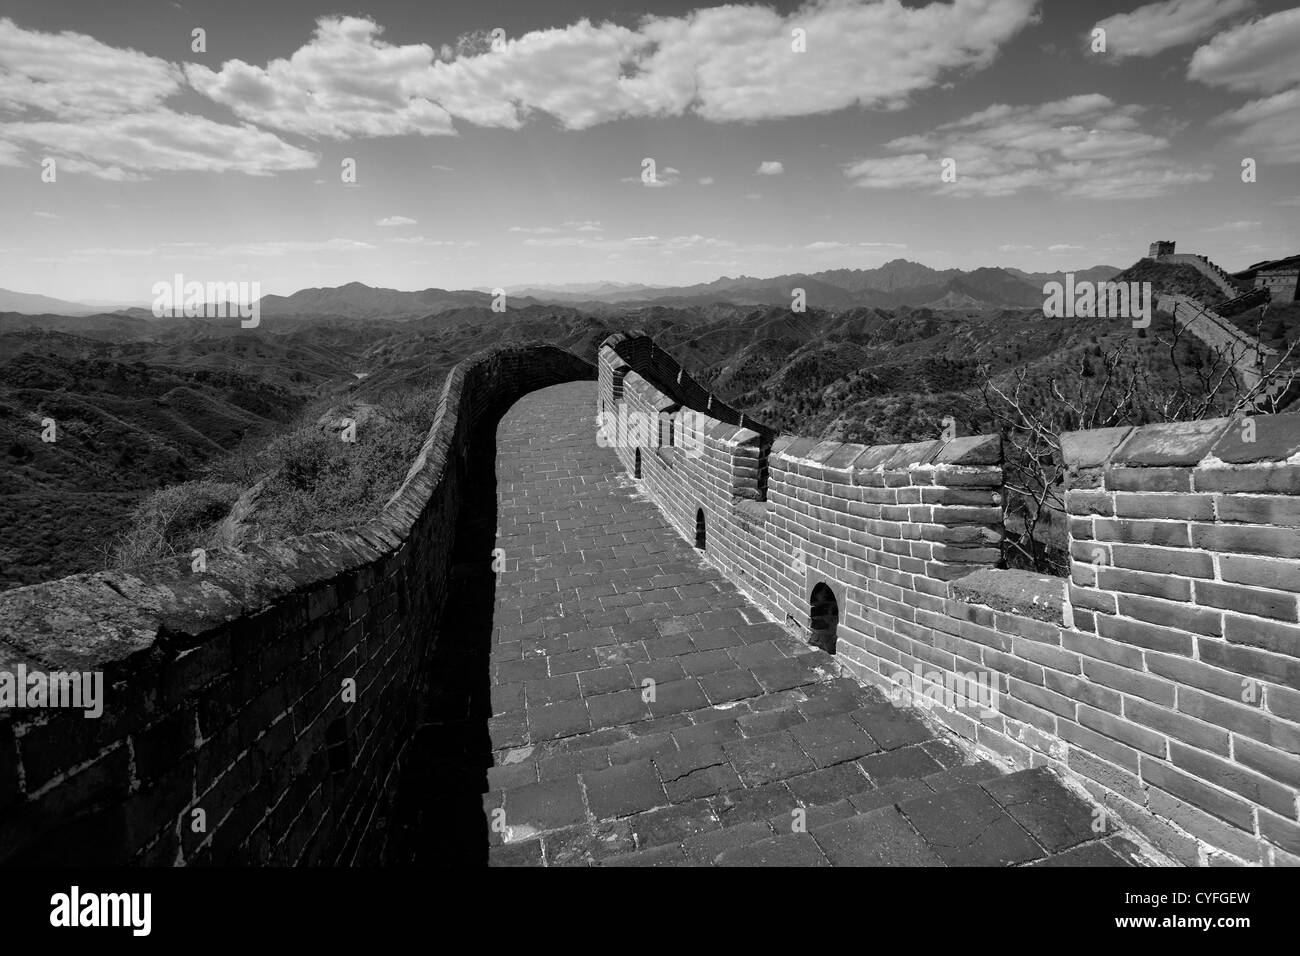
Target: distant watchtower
1160	248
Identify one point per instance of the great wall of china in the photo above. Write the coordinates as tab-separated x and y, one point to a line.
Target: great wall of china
1163	676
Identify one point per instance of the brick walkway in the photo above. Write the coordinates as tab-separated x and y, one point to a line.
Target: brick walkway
749	732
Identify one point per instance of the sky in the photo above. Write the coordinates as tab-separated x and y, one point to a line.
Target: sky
510	144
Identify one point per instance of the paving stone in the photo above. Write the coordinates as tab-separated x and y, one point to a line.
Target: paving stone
966	827
711	731
551	690
606	680
732	684
786	674
623	790
823	786
909	763
791	849
766	759
640	748
544	806
564	719
757	803
661	672
1041	804
611	710
670	855
707	846
1086	854
508	731
574	661
747	655
961	776
880	838
892	727
832	740
561	766
516	854
677	696
718	638
706	662
507	698
673	824
806	819
587	844
515	775
508	671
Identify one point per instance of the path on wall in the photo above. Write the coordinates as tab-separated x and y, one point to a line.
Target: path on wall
749	732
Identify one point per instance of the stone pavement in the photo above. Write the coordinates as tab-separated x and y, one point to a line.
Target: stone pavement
751	750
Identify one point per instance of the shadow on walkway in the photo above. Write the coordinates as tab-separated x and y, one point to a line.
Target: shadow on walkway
438	817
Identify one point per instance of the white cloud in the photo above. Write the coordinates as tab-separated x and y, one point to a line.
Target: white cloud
128	146
395	221
1156	27
536	230
1269	128
706	180
98	110
586	225
1063	247
725	63
1083	145
74	75
1262	56
769	168
668	176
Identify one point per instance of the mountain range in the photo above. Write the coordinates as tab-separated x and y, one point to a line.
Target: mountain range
892	285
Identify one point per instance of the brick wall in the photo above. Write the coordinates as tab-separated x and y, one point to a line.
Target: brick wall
224	688
1131	683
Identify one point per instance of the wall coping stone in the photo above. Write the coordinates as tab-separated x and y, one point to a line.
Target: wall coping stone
1207	443
1037	596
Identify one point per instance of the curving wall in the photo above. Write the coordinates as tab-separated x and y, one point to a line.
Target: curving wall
224	688
1165	678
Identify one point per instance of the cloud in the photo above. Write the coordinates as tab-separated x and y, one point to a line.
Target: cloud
725	64
1269	128
1262	56
769	168
537	230
586	225
344	82
1157	27
668	176
395	221
126	147
98	110
1063	247
706	180
1241	225
74	75
1084	146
